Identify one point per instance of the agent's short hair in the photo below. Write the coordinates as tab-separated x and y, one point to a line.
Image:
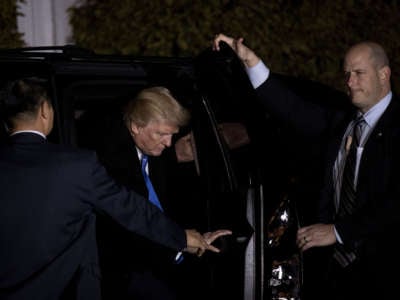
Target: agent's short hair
21	99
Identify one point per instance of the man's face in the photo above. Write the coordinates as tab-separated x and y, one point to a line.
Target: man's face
153	138
363	79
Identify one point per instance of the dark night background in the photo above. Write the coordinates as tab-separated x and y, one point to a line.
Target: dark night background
305	38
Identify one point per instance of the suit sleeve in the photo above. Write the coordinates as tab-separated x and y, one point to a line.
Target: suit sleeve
133	211
302	115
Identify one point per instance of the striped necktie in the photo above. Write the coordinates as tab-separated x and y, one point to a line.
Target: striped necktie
348	190
152	193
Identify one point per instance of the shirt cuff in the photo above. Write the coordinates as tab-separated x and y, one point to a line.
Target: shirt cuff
258	74
337	236
179	257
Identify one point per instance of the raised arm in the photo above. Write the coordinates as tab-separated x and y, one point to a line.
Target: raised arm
248	56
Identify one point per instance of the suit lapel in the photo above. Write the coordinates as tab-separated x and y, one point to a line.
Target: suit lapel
379	143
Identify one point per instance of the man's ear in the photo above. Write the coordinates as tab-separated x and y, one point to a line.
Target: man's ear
46	117
45	110
134	129
384	73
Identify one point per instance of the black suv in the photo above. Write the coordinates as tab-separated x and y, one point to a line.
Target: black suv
255	188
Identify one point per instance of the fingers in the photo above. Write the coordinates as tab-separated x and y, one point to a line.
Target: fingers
302	230
210	237
212	248
200	252
198	244
204	247
196	251
316	235
222	37
304	238
245	54
304	241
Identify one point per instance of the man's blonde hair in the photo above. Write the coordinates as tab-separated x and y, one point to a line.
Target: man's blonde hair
155	104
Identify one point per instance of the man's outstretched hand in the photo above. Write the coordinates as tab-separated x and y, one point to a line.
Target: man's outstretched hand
198	244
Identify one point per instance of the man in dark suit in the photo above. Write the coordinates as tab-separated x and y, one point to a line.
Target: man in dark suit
359	207
146	126
49	196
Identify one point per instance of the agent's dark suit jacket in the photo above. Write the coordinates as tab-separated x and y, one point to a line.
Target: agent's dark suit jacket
371	230
49	195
